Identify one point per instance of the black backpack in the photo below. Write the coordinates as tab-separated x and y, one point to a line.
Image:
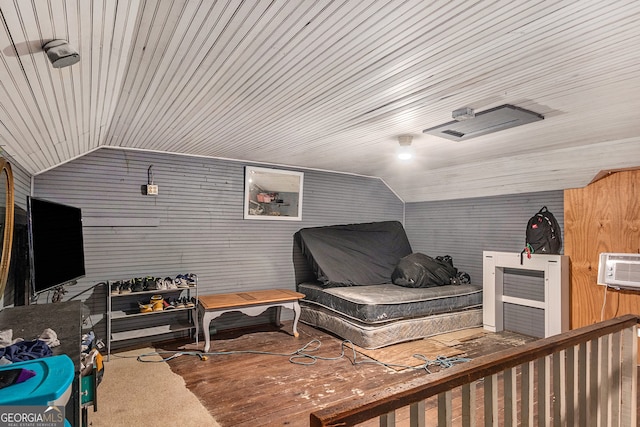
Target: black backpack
543	234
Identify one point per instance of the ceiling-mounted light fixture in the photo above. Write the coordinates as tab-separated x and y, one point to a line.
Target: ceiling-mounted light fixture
405	152
483	123
60	53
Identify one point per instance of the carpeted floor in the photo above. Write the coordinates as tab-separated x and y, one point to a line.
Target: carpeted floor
134	393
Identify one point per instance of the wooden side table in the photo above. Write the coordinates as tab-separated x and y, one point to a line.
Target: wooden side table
251	303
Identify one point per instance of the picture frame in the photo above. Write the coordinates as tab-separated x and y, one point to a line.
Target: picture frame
273	194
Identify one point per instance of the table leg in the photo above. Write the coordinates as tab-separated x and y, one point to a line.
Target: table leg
278	313
196	321
296	310
206	321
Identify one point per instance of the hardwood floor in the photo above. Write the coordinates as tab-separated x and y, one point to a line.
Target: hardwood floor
245	389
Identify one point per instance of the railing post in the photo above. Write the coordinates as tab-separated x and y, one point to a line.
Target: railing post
510	398
594	368
544	390
526	399
583	380
559	389
616	377
444	409
469	404
572	386
417	416
491	401
605	385
628	409
388	420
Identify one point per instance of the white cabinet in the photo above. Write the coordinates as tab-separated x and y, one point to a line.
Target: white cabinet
125	321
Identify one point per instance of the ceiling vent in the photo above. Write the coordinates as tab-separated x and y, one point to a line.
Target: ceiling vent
489	121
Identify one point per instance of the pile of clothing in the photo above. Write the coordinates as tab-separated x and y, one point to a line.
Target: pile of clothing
19	350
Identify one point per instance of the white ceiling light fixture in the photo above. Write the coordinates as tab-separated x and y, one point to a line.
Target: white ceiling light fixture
485	122
405	152
60	53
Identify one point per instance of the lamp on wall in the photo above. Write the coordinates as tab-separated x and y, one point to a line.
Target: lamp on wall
60	53
405	152
150	189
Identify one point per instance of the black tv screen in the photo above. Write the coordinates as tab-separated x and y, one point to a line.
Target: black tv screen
56	248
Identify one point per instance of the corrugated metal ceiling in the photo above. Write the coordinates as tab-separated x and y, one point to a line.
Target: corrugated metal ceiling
331	85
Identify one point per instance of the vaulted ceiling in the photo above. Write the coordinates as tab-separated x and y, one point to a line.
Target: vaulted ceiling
331	84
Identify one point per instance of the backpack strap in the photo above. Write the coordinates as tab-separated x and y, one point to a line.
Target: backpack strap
528	250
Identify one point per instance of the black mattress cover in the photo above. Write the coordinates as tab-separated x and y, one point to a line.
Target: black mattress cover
387	302
354	254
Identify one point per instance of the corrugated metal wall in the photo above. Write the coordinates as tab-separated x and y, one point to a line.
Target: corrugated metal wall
467	227
195	223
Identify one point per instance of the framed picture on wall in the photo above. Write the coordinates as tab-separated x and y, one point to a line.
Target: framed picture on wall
272	194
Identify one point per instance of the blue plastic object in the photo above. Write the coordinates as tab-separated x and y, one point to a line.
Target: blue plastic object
50	385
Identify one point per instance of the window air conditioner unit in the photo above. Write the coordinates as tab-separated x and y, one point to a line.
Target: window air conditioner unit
619	270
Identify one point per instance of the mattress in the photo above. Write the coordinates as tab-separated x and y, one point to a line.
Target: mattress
380	335
374	304
353	254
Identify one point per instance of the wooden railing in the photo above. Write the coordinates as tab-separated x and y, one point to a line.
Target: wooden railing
584	377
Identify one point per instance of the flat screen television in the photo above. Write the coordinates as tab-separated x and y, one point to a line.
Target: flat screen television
56	247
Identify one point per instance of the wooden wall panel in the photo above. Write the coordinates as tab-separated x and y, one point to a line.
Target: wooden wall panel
602	217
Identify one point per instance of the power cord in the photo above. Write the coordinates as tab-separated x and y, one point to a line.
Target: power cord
604	303
303	356
58	293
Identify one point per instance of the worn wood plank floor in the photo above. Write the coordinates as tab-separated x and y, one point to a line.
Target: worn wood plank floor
244	389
